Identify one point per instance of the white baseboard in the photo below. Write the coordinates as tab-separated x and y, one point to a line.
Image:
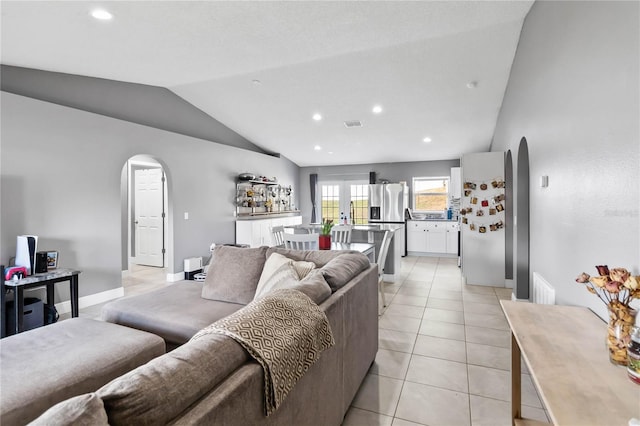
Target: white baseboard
90	300
509	283
172	278
389	278
125	273
514	299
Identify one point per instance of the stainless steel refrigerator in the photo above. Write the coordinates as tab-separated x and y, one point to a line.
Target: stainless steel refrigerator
388	203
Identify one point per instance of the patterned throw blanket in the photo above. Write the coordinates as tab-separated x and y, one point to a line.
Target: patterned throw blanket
285	332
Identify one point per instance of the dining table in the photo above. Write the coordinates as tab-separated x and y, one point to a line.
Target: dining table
367	249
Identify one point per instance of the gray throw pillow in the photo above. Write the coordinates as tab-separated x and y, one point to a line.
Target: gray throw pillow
343	268
81	410
233	274
315	286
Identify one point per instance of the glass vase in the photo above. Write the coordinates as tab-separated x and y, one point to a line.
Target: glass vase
621	322
633	355
324	242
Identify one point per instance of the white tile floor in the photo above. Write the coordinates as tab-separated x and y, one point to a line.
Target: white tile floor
443	357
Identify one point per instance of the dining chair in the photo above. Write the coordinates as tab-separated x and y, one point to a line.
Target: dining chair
277	235
301	241
382	258
341	233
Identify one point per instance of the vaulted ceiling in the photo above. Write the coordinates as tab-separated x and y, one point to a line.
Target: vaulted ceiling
438	69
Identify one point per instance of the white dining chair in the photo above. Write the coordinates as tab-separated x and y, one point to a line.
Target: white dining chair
301	241
382	258
341	233
277	235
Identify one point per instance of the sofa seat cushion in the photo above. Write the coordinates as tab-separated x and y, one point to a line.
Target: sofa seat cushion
157	392
233	274
46	365
175	312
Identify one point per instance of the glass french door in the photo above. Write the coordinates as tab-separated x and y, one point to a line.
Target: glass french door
345	198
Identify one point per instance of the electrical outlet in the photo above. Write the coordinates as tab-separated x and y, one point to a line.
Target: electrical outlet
186	215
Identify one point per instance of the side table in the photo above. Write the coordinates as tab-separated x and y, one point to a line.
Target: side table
47	279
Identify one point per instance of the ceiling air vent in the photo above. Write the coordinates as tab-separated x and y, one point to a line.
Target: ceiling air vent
352	123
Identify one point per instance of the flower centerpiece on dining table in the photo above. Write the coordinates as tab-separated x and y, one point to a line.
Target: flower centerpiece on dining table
616	288
324	239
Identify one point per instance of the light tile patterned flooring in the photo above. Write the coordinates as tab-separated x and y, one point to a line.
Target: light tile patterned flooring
443	357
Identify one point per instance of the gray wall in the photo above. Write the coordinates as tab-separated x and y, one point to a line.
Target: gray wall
61	180
143	104
394	172
574	94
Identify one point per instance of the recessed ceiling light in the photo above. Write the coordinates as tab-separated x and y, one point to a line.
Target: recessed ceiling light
472	84
317	117
377	109
101	14
330	152
427	140
317	147
256	82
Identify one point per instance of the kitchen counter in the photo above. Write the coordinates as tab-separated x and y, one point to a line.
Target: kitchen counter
374	227
366	228
433	220
266	215
372	233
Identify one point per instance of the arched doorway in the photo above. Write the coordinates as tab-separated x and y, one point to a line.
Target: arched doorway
521	221
508	238
145	196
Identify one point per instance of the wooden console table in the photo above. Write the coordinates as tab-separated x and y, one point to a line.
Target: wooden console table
47	279
564	349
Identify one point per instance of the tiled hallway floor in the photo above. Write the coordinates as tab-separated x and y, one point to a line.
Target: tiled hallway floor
443	357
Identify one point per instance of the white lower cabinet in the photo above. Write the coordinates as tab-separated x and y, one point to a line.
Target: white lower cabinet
257	232
432	237
453	229
416	237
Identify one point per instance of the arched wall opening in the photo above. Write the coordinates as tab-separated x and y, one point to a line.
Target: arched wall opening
508	238
146	215
521	221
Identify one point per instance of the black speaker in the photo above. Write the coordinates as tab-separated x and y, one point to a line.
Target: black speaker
372	177
41	262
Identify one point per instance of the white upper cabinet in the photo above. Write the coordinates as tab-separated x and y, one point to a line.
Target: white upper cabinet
455	183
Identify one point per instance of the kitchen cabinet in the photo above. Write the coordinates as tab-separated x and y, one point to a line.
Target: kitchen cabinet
455	183
436	237
257	232
453	230
416	236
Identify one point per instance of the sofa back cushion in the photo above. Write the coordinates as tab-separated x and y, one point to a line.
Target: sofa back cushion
233	274
81	410
318	257
160	390
341	269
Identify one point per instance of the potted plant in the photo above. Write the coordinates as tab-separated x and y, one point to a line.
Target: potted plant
324	240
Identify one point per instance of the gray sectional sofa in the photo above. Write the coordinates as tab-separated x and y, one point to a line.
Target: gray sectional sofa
213	380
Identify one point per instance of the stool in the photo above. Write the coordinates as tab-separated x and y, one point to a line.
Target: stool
46	365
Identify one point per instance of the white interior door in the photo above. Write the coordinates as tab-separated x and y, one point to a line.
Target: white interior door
149	212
